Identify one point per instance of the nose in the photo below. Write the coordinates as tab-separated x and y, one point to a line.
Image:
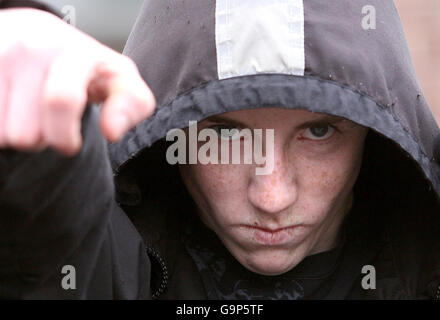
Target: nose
276	192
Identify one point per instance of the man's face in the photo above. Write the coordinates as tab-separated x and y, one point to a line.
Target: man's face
271	222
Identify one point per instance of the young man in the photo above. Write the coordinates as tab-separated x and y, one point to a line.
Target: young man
347	210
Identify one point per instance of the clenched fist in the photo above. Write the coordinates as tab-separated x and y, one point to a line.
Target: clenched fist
49	72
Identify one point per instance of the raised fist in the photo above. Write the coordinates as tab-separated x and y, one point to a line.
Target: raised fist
50	71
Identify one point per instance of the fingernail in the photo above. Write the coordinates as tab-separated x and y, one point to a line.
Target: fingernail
121	125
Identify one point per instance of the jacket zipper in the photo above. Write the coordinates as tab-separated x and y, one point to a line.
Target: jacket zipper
164	272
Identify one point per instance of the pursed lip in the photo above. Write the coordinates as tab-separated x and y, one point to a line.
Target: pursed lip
267	236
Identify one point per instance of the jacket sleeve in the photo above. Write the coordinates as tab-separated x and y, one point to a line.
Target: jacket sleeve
57	213
62	235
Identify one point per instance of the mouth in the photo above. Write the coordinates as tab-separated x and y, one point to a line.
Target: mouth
271	237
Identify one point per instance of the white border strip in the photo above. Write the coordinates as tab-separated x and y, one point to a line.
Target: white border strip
259	36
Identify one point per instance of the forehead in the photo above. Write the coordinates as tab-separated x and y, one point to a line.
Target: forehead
275	117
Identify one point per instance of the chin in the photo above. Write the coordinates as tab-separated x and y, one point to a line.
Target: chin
270	264
269	270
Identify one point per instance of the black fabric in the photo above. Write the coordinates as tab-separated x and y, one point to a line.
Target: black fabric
183	34
374	62
58	211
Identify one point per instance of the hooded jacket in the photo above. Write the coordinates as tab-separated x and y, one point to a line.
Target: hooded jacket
202	58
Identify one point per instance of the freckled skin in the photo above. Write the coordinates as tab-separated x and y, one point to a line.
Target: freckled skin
310	188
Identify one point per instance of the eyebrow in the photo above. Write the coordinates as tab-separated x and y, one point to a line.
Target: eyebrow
320	120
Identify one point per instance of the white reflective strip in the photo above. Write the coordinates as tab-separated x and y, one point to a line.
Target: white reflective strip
259	36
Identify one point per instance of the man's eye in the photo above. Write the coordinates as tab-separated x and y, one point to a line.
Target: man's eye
226	132
320	132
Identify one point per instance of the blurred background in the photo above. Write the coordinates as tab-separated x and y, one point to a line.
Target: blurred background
421	21
110	21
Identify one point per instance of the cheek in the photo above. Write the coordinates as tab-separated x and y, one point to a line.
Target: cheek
217	189
218	180
325	182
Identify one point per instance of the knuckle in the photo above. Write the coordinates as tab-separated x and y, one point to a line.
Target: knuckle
22	140
17	51
19	47
62	102
26	47
64	137
149	103
141	105
128	63
143	98
127	68
152	100
66	146
141	109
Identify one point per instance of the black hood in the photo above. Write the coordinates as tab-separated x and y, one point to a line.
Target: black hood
363	75
203	58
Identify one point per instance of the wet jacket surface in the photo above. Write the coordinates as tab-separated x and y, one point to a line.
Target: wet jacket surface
119	213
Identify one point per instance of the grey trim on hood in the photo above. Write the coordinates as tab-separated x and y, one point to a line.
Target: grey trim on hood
286	91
